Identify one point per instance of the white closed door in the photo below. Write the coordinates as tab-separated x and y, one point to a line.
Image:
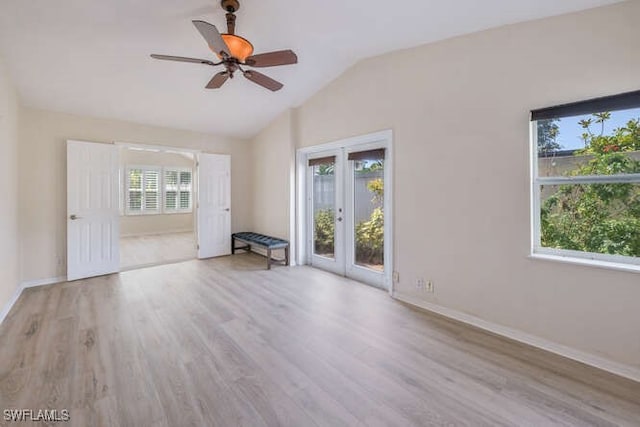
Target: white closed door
214	205
93	214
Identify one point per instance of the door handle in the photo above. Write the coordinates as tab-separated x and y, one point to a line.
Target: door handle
339	219
74	217
227	210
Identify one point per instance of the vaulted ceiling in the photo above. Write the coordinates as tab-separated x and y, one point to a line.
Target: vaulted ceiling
92	57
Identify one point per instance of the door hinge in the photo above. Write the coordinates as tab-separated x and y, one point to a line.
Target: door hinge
198	247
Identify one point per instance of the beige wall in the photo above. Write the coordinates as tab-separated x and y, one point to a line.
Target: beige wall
457	106
9	178
42	179
273	162
137	225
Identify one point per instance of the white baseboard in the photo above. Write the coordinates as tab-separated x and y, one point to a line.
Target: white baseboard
24	285
623	370
158	233
263	252
43	282
7	308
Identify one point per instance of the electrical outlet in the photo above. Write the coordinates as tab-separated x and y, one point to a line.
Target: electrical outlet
396	277
420	283
430	287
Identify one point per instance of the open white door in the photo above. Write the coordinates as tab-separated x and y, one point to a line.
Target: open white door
93	217
214	205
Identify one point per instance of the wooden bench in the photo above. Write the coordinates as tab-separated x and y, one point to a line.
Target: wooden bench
267	242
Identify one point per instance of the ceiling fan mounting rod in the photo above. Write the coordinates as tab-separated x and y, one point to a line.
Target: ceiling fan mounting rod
231	6
231	23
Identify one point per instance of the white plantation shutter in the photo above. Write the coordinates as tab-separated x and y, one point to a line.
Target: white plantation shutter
185	190
178	189
134	190
143	190
151	191
171	190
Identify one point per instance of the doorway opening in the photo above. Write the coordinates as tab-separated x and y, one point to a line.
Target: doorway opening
345	208
157	206
130	206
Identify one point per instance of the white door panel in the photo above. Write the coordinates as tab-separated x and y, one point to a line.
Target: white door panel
214	205
93	221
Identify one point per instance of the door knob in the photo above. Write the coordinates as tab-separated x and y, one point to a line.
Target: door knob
339	219
227	210
73	217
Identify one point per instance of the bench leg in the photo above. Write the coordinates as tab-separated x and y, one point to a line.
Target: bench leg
286	255
233	246
268	258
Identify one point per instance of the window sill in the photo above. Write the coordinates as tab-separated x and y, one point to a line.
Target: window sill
609	265
177	212
142	214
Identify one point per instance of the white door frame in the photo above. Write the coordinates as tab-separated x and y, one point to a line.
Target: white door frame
383	138
171	149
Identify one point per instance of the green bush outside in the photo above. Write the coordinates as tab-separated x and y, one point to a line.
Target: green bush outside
597	218
369	234
324	231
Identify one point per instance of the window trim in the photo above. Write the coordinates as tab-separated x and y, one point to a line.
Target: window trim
127	190
592	259
164	190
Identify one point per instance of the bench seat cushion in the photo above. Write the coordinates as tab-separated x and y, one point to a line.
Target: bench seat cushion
261	239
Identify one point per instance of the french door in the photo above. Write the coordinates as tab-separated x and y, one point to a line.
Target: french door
346	204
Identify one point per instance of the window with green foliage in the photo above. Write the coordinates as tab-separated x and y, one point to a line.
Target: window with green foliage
586	189
369	214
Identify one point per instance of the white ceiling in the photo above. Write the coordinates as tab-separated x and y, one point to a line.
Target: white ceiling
92	57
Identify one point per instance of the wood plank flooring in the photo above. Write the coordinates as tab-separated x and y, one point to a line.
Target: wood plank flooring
226	343
137	251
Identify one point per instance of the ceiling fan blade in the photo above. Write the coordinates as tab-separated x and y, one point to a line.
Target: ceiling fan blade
218	80
183	59
212	37
263	80
272	59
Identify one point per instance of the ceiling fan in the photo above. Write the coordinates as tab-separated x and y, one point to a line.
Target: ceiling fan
235	53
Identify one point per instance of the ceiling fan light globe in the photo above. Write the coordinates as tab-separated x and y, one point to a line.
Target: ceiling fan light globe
239	47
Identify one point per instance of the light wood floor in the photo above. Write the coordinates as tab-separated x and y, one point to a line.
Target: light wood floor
225	343
137	251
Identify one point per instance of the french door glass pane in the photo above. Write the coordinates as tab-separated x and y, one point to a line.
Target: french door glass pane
324	210
368	193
